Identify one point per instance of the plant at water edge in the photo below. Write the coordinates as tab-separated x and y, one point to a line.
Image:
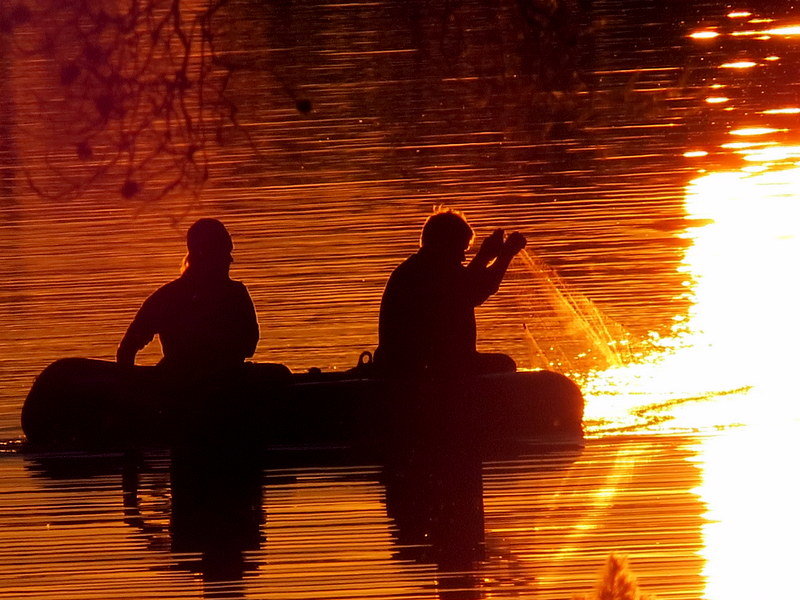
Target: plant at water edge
617	582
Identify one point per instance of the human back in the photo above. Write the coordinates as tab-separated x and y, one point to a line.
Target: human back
427	317
205	321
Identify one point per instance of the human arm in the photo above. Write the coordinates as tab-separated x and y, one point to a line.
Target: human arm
485	278
238	337
126	353
250	331
140	333
490	249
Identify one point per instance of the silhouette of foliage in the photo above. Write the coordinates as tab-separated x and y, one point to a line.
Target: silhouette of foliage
132	89
618	582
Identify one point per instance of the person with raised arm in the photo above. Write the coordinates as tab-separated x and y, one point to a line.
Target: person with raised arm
427	315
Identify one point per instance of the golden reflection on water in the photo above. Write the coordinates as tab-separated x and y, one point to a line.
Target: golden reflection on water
731	365
738	342
704	35
788	31
750	537
728	361
747	131
782	111
548	522
732	361
739	64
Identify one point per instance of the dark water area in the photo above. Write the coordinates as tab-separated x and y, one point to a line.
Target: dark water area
446	526
648	150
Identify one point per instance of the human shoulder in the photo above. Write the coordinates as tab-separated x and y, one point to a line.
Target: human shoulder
411	264
158	304
402	273
169	290
237	287
237	292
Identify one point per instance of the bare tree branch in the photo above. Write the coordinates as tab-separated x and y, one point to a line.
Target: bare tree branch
139	93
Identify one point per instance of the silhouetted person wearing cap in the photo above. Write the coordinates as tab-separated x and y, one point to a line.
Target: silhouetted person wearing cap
427	318
205	321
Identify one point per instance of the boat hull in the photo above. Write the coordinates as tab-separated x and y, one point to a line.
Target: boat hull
89	404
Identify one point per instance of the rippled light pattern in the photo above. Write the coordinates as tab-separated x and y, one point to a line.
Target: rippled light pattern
753	131
738	343
739	64
750	537
785	31
783	111
670	203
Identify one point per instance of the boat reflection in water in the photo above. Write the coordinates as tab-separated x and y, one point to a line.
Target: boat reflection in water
216	511
208	513
436	504
213	504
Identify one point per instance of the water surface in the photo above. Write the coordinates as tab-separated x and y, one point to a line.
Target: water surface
650	154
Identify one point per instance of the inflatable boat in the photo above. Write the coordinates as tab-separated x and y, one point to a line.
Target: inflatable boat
90	404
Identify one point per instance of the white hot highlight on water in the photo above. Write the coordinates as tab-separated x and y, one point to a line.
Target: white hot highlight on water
739	338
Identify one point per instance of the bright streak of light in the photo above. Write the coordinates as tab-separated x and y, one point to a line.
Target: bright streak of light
790	31
741	64
758	21
773	154
717	99
717	86
772	58
760	514
754	131
704	35
732	359
782	111
785	31
741	14
695	153
745	300
740	145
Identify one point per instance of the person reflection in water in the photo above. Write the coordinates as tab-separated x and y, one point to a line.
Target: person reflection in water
427	315
435	498
205	321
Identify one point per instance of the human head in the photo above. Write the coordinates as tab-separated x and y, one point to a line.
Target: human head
447	232
209	245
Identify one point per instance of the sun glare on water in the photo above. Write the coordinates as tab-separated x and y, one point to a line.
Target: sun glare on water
728	371
731	360
746	272
731	365
751	498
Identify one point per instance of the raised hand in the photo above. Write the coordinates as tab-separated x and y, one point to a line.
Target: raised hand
492	245
514	243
